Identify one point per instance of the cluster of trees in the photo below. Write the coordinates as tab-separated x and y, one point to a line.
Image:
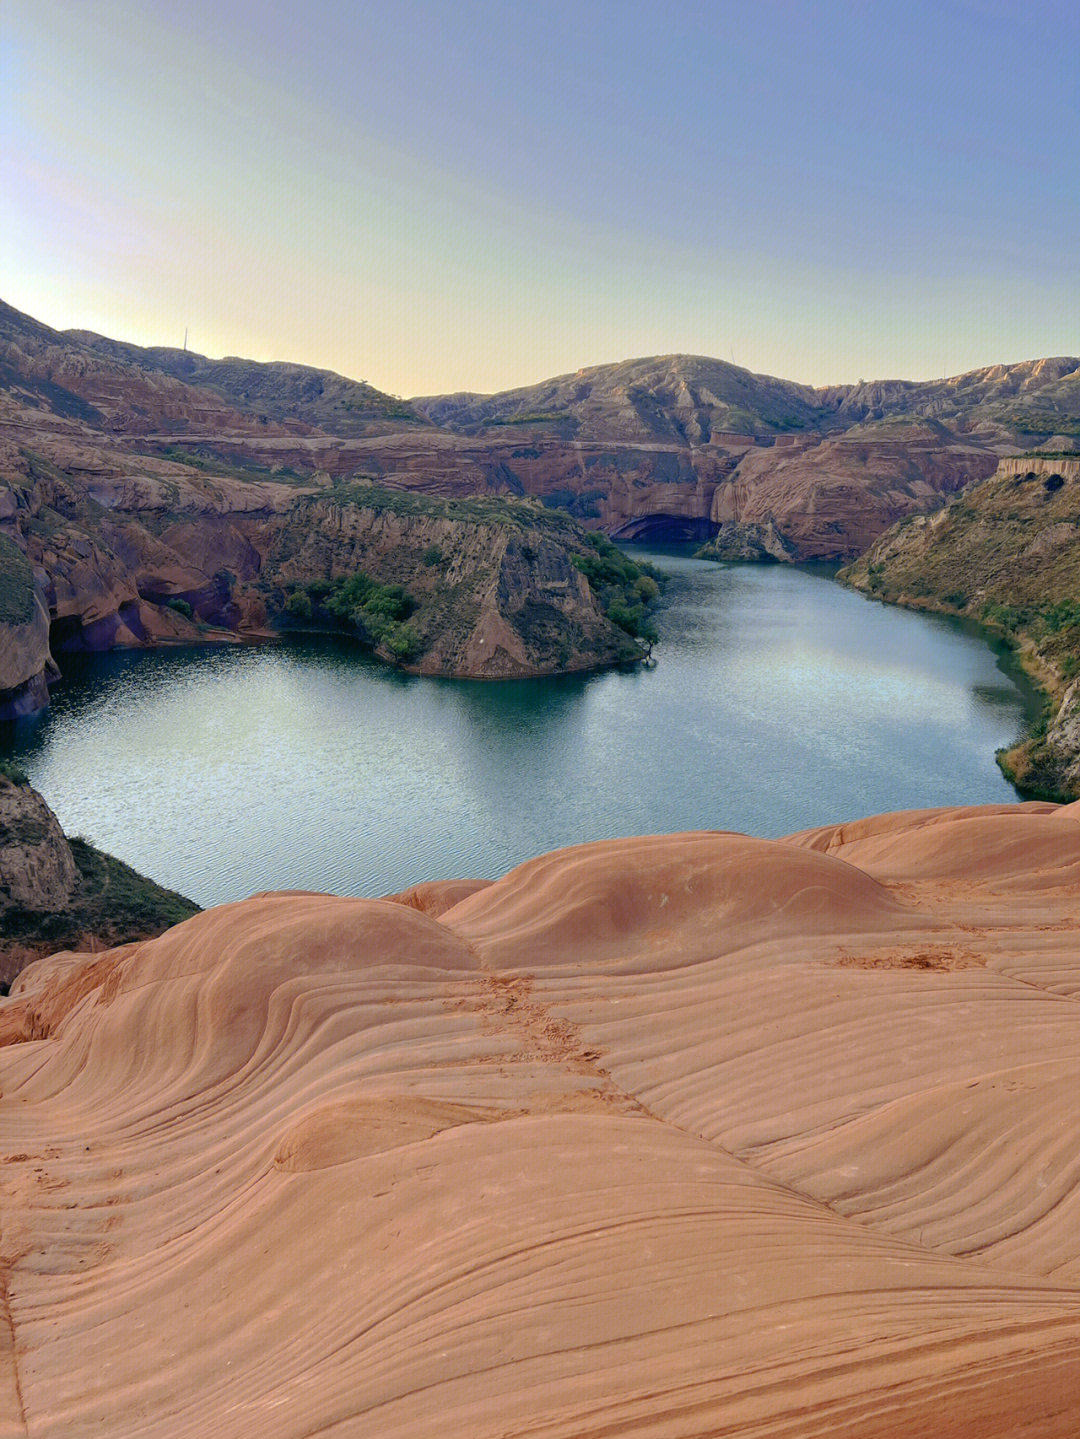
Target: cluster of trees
374	612
626	590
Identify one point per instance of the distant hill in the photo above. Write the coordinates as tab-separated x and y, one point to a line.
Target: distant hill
668	397
275	389
1017	403
691	397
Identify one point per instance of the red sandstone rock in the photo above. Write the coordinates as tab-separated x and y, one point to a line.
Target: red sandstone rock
682	1136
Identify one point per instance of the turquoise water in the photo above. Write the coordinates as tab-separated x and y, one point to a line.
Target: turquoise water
780	700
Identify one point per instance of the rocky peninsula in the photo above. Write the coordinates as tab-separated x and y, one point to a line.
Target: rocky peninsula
684	1135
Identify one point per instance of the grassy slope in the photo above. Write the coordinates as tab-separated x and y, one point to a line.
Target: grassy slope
1006	553
16	584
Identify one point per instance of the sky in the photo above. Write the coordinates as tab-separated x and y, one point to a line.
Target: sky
472	195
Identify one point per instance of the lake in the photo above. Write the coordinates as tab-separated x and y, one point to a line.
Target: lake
780	700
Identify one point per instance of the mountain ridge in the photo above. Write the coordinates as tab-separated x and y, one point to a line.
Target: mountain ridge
838	406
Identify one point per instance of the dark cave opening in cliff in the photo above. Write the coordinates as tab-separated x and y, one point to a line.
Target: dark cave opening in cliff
665	529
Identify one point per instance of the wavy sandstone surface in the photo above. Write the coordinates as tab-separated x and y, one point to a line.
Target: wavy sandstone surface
673	1137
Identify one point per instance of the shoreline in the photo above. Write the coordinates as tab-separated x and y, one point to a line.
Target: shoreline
257	639
1046	686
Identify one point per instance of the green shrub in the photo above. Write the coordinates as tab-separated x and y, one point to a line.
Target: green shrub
624	589
374	612
180	606
403	641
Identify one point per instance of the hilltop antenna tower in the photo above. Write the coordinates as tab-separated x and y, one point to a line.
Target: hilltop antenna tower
185	338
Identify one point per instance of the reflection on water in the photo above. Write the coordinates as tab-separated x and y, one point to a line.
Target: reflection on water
779	701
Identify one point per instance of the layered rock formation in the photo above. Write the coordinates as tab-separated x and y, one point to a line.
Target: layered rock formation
684	445
690	1135
115	531
147	488
1006	553
56	892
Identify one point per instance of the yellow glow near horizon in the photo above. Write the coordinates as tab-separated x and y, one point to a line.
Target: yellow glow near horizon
162	176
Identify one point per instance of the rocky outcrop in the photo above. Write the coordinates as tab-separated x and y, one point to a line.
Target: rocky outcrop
1060	466
654	1136
1005	553
496	589
56	893
757	542
37	871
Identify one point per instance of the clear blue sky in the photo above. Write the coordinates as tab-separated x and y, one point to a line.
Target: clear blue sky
472	195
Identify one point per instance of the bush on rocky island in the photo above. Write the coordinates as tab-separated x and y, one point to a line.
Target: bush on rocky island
374	612
626	589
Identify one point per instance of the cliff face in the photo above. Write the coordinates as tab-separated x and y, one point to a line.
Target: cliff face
496	592
56	893
828	500
25	661
654	1136
1007	553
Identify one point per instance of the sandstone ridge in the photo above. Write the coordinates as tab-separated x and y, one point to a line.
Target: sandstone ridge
666	1137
